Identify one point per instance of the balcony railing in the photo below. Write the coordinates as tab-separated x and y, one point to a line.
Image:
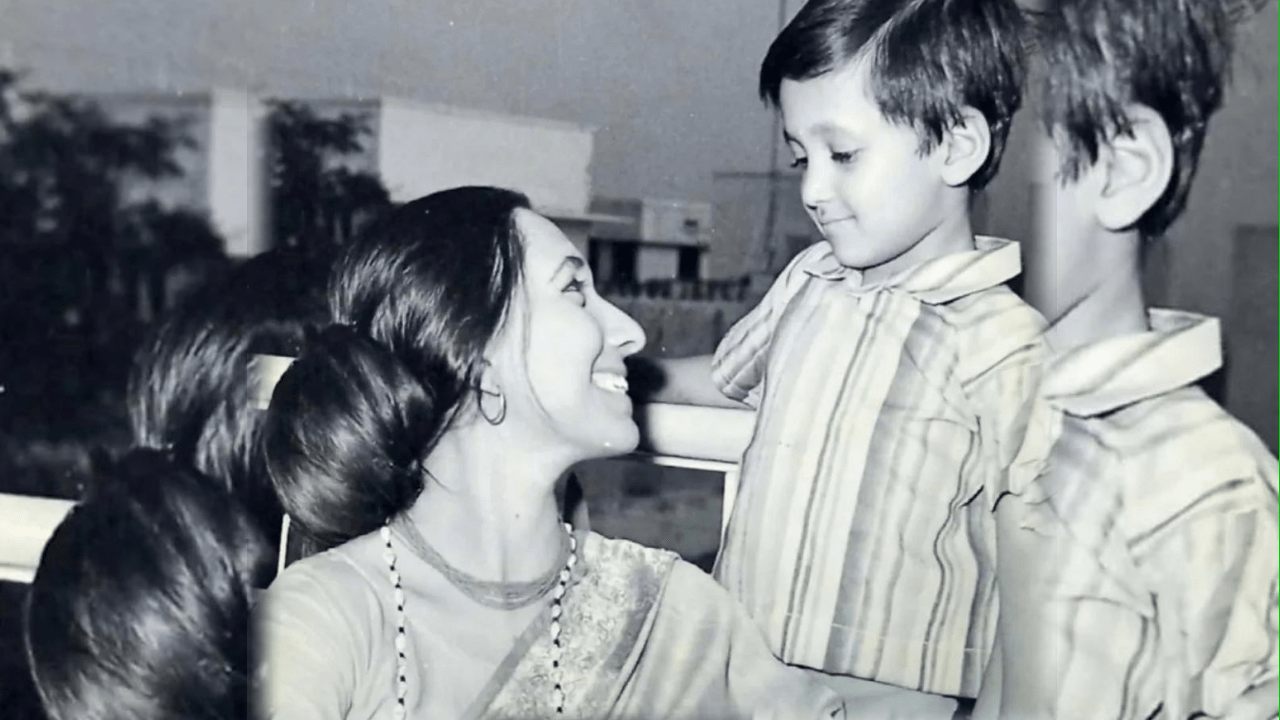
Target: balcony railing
685	436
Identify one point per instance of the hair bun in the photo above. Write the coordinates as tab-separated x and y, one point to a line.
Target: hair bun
345	436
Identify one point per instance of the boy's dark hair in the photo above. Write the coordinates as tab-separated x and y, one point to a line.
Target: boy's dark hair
1103	55
140	606
928	59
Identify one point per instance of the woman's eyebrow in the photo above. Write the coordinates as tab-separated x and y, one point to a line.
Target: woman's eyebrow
573	261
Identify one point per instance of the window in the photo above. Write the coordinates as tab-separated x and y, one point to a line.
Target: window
593	256
687	264
624	262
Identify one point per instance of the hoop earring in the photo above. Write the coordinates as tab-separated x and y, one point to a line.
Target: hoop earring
502	407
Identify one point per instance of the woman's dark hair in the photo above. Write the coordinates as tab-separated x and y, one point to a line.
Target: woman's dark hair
415	301
140	606
191	388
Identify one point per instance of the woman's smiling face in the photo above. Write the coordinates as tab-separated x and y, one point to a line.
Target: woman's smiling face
560	357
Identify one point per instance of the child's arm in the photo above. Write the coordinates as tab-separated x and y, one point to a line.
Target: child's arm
681	381
987	706
734	376
1021	678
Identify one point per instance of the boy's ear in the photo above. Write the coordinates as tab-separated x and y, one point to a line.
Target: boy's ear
965	147
1137	168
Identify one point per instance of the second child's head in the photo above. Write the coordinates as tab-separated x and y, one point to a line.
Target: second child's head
1127	92
895	110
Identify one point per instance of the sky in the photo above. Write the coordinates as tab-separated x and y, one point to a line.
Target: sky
668	84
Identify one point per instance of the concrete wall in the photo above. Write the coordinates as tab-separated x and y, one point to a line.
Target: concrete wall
237	172
738	245
1003	208
1251	332
657	262
425	148
1236	184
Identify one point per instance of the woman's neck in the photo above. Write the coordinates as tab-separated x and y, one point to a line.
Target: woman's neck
489	507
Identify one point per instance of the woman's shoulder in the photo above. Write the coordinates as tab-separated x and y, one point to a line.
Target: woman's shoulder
604	553
319	627
342	578
681	582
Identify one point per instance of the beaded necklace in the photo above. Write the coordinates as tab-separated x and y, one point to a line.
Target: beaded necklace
557	597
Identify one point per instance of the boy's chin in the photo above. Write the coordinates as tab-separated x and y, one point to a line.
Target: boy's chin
856	255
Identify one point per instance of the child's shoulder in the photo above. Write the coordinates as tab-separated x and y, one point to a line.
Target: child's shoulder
993	324
1185	432
1182	456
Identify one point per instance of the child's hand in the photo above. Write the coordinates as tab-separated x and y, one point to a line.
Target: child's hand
680	381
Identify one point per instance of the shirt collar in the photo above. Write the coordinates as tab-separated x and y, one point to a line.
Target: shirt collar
1179	349
939	280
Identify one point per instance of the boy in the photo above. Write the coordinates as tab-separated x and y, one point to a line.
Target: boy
891	367
1138	568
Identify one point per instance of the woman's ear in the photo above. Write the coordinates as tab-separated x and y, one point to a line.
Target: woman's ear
490	401
1137	167
965	147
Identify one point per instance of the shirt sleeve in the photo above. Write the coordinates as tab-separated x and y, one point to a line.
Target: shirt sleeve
307	650
1005	395
738	366
1217	599
1189	625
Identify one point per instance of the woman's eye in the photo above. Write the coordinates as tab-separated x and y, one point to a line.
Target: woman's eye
577	286
799	163
843	158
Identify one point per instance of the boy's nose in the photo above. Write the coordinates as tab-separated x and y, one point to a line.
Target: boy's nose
814	188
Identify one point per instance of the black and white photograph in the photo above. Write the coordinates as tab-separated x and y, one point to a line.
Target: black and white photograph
639	360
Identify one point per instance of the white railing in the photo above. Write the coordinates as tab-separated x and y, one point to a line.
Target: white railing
684	436
26	522
700	438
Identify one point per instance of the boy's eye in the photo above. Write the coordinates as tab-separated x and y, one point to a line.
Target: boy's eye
799	163
843	158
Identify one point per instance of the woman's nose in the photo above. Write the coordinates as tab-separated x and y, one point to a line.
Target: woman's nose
622	331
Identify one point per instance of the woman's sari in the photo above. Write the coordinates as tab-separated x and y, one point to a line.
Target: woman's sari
645	635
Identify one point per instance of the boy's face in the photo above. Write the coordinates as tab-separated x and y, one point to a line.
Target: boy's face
866	186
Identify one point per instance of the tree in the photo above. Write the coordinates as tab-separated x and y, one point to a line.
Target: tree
76	249
316	200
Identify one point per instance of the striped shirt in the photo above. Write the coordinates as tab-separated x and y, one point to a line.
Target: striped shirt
1160	509
857	539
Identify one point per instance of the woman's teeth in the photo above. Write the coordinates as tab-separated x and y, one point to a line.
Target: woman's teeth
612	382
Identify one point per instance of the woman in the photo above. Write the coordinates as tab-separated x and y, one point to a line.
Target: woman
139	609
420	437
